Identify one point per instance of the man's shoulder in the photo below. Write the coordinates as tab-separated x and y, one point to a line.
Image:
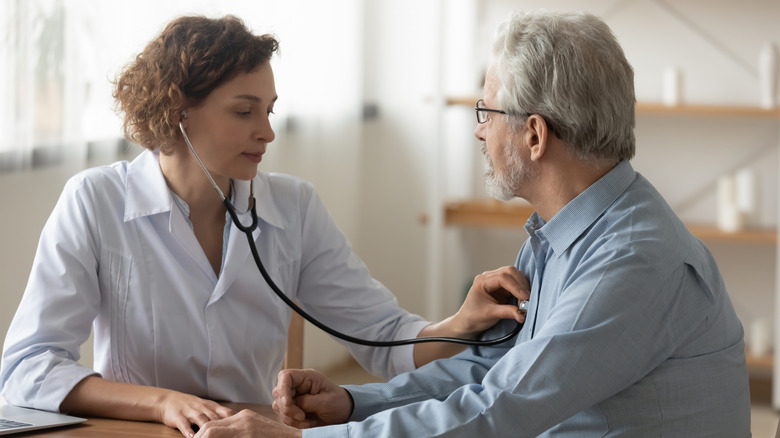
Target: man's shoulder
642	225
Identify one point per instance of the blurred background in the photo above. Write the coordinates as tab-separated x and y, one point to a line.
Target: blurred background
376	109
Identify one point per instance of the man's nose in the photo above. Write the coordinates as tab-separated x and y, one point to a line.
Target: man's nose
479	131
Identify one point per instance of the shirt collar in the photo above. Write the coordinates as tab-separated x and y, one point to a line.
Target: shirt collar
582	211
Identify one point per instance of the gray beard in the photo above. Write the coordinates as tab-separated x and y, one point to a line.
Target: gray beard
496	186
505	187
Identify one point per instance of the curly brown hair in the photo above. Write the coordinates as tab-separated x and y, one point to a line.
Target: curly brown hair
190	58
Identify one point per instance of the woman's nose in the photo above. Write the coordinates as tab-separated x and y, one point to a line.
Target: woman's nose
266	131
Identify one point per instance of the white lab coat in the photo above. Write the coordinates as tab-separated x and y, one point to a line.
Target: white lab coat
119	253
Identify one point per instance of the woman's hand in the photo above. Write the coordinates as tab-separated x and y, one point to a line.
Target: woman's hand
182	411
488	300
247	424
95	396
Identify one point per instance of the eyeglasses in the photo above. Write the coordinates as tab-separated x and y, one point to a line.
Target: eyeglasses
482	117
480	109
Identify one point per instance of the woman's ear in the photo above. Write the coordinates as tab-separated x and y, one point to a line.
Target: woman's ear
181	117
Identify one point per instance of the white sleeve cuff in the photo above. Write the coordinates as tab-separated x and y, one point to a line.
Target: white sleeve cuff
402	360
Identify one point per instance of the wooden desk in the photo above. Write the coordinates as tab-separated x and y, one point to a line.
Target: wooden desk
104	427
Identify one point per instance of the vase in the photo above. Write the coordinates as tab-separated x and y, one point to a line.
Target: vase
730	218
768	61
672	86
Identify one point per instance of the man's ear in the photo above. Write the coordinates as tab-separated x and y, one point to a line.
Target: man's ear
535	136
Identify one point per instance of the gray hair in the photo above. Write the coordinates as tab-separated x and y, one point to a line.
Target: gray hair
569	68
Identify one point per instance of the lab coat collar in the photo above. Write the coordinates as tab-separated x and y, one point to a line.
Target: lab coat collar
147	191
267	209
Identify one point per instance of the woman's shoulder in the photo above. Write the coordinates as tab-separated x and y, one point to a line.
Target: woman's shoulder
284	186
108	180
282	180
287	199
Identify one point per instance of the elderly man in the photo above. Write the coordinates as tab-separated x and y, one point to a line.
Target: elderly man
630	330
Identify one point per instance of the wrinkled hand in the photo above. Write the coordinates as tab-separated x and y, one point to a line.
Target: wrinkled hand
181	411
306	398
247	424
488	299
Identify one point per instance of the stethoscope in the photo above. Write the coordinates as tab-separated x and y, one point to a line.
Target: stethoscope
247	230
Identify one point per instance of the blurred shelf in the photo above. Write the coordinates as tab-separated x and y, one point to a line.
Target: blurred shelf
486	213
707	110
760	363
491	213
711	233
463	100
660	109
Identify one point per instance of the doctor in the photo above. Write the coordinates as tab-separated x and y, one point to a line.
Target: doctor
142	253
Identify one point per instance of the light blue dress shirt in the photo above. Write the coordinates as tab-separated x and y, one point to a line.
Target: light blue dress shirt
630	332
118	256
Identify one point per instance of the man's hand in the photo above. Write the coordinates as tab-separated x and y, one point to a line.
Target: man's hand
247	424
486	302
306	398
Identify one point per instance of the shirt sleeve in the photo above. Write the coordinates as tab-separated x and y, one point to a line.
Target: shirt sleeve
617	321
41	351
381	405
336	287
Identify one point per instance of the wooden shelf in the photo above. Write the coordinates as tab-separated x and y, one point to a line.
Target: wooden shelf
707	110
760	363
491	213
765	363
660	109
463	100
487	213
711	233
